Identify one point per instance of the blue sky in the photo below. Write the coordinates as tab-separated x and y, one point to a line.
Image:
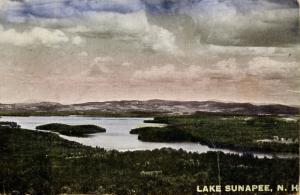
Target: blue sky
68	8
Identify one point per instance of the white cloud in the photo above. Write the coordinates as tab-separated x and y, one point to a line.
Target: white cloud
263	68
268	68
165	72
225	69
78	29
160	39
293	91
99	66
77	40
245	50
83	54
243	22
36	35
3	4
126	64
131	27
102	59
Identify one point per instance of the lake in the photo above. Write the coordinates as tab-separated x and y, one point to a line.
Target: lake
117	134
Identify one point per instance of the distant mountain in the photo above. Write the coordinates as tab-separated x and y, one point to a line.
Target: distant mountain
155	105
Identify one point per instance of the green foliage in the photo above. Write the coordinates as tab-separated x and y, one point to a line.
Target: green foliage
43	163
157	134
71	130
238	132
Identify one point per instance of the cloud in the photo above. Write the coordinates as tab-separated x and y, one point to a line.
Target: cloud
83	54
103	59
293	91
77	40
133	27
262	68
160	39
227	69
78	29
267	68
175	6
3	3
157	73
234	22
170	73
36	35
66	8
245	22
99	66
245	50
261	79
126	64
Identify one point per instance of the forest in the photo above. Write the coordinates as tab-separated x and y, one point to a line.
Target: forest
43	163
263	133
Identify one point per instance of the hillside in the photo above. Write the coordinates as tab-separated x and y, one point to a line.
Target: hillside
35	162
157	106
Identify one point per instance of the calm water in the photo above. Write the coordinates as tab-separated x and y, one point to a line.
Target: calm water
117	133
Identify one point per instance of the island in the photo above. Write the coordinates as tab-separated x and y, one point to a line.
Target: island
72	130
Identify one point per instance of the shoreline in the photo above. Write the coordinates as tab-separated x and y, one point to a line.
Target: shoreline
176	146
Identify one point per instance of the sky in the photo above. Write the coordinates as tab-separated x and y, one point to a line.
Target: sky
73	51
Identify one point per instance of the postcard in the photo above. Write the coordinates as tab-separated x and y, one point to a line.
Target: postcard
149	97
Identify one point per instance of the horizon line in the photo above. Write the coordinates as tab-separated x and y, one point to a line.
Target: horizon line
155	99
